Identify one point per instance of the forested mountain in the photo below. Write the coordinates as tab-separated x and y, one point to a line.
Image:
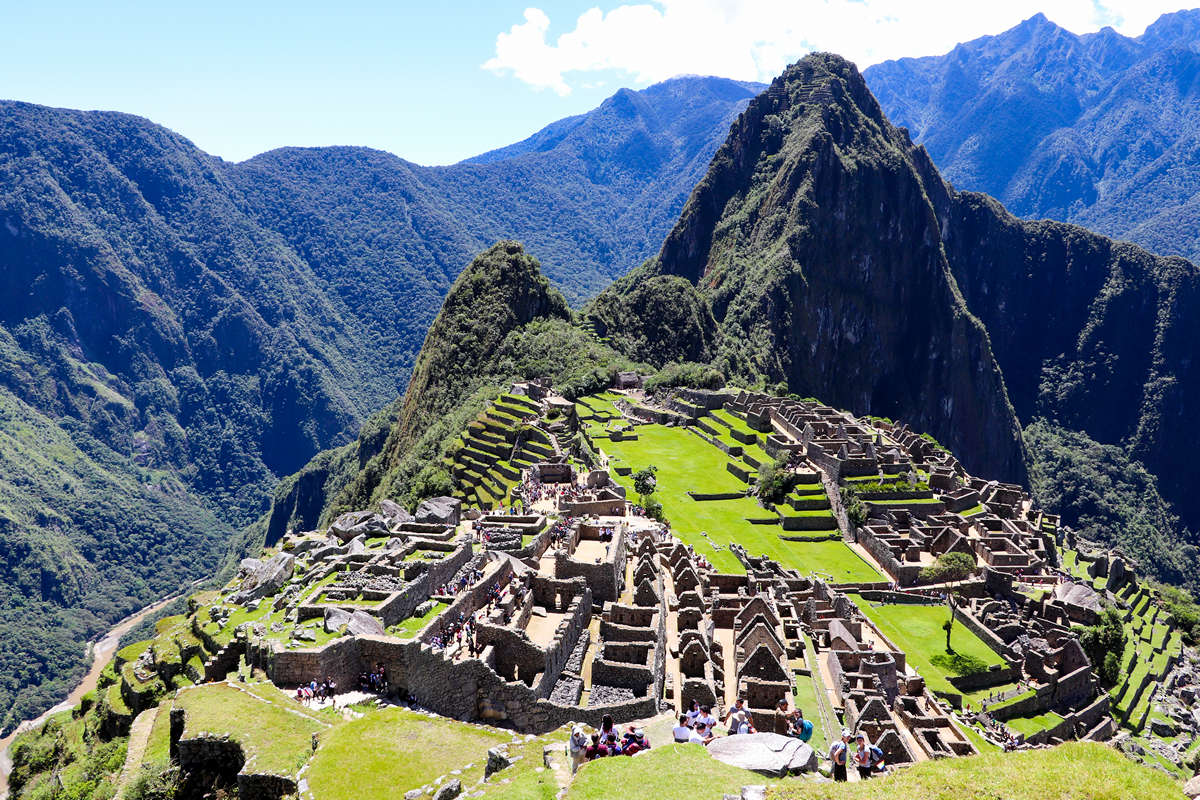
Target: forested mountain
1098	129
177	332
824	253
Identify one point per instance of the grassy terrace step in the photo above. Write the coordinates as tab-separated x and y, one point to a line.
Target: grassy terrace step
274	739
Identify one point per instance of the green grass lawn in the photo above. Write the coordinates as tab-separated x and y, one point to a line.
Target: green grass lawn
917	630
687	462
684	771
389	752
805	698
1073	771
1031	725
733	421
273	739
408	628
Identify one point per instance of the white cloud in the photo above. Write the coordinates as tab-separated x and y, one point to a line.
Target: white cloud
756	39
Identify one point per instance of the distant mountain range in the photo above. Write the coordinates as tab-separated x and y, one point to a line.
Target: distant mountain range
177	332
824	255
1099	129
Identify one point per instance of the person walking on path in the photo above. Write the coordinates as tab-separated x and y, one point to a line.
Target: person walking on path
839	754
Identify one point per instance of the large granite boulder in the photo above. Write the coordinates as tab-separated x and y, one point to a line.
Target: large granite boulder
1192	787
358	523
449	791
1081	601
395	513
440	511
363	624
767	753
336	619
264	578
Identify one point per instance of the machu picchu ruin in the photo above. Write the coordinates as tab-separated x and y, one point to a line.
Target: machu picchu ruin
545	594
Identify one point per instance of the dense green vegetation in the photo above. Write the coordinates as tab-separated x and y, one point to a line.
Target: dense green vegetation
1110	499
1104	643
178	332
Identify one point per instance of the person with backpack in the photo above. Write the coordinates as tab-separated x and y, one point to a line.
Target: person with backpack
868	758
839	754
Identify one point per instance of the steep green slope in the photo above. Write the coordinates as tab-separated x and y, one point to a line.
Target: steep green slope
501	321
815	244
1093	335
1096	129
177	321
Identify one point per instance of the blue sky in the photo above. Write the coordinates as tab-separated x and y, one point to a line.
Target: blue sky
438	82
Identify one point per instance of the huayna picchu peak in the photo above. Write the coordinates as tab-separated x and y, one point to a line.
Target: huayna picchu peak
742	455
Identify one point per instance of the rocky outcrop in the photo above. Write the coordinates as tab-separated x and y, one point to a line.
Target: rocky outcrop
440	511
263	578
815	244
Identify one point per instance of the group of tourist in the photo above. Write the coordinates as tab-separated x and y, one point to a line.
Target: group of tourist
458	631
464	580
867	758
605	742
316	690
374	680
560	530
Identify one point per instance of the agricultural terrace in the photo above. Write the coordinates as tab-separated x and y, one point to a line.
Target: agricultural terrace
917	630
686	463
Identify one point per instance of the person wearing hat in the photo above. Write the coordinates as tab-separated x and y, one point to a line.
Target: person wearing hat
839	754
635	742
577	747
738	719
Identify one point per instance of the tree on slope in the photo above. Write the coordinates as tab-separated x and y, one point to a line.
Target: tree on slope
950	568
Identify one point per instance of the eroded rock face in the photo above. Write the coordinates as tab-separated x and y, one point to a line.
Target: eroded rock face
264	578
440	511
394	512
363	624
353	524
767	753
451	790
497	760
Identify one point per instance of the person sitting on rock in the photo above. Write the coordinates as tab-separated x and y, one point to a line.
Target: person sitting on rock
700	734
608	735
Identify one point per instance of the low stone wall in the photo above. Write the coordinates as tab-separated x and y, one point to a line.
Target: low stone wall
995	676
716	496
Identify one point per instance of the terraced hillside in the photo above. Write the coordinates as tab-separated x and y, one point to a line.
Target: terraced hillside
487	460
705	475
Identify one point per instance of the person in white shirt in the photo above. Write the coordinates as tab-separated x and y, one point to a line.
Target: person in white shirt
700	734
707	718
693	713
682	732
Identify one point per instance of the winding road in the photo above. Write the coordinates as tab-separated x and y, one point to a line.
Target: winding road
101	651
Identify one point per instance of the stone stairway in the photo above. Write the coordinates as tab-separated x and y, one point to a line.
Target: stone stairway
139	738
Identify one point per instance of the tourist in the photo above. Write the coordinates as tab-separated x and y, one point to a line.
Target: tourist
683	731
577	747
635	742
596	749
693	713
700	734
608	735
838	754
738	719
706	717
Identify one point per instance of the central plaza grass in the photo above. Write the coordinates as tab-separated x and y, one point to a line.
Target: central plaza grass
686	463
917	630
273	739
390	752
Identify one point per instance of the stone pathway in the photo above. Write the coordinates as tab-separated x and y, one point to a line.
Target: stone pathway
139	738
